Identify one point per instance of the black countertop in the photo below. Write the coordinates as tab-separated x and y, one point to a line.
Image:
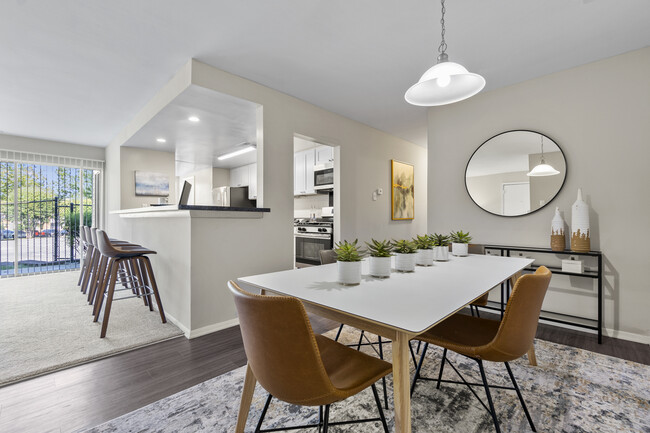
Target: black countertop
223	208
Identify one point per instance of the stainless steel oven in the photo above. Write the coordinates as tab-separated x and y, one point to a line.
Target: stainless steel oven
311	238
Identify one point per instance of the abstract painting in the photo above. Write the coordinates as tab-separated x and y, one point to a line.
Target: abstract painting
151	184
402	191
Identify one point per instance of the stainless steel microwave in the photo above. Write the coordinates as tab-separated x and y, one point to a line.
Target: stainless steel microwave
324	177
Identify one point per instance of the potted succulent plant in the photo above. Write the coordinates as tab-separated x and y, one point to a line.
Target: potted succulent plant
424	245
441	250
379	261
348	259
459	241
404	255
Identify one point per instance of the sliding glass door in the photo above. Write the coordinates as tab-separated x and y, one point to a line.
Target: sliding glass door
41	209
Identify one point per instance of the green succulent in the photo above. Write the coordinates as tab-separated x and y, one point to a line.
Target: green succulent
348	251
404	246
380	248
440	240
424	242
460	238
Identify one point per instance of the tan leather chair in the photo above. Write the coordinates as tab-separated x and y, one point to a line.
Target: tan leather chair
490	340
296	366
327	257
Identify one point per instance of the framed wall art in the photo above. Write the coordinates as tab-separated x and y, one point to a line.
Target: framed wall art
402	192
151	184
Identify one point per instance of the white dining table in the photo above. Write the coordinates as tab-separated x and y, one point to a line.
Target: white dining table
399	308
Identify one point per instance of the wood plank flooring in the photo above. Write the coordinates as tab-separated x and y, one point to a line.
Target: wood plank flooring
93	393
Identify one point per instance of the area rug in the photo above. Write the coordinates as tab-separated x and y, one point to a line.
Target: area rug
46	325
571	390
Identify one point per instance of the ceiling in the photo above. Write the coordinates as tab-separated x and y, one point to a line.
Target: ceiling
79	70
225	124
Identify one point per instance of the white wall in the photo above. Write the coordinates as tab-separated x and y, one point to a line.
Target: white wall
132	159
599	115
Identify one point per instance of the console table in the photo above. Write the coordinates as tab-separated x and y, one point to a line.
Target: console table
506	250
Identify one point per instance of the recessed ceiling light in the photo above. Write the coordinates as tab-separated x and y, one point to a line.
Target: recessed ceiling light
193	119
161	140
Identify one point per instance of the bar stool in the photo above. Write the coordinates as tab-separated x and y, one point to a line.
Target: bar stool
135	263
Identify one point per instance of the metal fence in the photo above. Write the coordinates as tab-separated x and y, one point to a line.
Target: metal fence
41	210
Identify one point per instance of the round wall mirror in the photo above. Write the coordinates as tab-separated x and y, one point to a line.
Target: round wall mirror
515	173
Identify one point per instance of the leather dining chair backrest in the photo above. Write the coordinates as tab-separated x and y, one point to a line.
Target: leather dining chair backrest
327	257
519	324
89	236
281	348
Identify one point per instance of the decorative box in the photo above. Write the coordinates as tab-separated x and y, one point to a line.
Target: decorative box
576	266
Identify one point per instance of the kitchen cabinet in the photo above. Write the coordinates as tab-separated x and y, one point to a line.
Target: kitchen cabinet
239	176
324	155
245	175
303	175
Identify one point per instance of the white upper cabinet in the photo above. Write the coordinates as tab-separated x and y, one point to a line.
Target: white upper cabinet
303	175
245	175
324	154
239	176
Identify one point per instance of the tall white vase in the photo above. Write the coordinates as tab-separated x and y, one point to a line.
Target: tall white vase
558	239
580	236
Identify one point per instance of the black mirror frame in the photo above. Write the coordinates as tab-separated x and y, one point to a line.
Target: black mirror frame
566	173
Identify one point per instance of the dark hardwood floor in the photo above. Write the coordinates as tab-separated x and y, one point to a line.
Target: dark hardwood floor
96	392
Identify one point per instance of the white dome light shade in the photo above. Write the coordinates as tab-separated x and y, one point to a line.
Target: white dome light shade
444	83
542	170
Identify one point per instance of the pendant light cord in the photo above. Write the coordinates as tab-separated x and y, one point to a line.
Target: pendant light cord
443	45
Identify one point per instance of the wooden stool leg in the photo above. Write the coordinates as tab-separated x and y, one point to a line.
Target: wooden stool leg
154	287
109	297
101	289
90	273
84	268
101	275
532	359
143	283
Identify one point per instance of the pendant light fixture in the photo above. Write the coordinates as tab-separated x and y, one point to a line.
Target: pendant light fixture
542	169
446	82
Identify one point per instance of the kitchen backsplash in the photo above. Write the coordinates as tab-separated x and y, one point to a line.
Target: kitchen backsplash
303	206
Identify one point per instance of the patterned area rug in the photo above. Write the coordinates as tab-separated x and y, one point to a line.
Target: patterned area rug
571	390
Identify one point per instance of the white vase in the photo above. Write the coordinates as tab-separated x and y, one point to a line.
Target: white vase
459	249
424	257
349	272
441	253
379	266
405	262
558	240
580	236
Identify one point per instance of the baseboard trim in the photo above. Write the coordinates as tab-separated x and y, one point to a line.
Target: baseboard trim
180	326
629	336
213	328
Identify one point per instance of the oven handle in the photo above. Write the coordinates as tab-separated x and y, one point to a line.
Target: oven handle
313	236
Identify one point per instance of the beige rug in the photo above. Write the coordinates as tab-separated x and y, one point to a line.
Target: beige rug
46	325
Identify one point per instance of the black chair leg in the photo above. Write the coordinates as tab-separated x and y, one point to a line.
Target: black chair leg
383	379
471	309
489	396
418	349
326	419
477	313
521	398
416	376
320	417
381	412
442	367
360	340
266	407
338	334
415	362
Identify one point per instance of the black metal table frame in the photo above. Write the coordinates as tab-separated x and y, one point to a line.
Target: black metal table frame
598	275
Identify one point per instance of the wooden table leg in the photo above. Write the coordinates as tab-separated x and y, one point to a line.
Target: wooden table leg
532	359
246	398
401	382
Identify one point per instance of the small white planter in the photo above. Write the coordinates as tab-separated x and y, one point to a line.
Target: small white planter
459	249
424	257
379	266
405	262
441	254
349	272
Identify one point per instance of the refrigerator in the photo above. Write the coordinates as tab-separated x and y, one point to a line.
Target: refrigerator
230	196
